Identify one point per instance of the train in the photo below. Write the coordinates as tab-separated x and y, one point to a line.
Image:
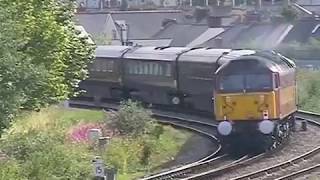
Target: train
246	91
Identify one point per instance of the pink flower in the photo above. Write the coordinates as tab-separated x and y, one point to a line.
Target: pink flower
79	133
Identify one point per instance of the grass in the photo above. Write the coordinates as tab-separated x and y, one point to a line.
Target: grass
38	146
309	90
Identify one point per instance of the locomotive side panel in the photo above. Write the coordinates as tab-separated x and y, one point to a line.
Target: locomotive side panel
287	94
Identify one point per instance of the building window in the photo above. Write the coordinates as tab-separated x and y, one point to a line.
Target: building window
114	34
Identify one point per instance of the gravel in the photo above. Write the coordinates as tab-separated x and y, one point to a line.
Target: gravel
196	148
300	143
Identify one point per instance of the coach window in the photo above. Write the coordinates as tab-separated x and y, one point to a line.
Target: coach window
97	66
107	66
168	70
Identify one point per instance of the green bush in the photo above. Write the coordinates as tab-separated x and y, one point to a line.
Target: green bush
41	155
11	170
132	119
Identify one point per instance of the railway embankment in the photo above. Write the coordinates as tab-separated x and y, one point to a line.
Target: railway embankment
53	143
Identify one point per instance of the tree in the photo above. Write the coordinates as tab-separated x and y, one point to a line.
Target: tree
43	58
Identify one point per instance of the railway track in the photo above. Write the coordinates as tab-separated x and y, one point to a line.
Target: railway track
295	167
306	163
214	166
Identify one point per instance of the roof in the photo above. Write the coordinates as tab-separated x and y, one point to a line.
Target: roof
111	51
205	36
308	2
141	24
263	36
303	30
181	34
155	53
203	55
144	24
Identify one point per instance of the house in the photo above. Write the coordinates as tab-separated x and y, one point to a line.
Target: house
303	30
137	27
310	5
256	35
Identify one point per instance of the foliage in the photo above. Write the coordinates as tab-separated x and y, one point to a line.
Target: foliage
18	76
43	58
133	155
308	50
10	169
132	119
41	155
309	90
38	145
289	14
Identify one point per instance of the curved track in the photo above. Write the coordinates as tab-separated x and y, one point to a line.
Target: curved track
213	165
301	165
298	166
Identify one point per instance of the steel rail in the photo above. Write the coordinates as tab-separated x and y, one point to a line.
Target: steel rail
216	172
229	167
300	173
292	161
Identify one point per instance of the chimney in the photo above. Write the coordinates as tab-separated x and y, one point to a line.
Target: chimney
214	21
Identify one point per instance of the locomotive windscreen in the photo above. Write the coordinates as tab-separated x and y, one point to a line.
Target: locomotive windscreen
245	82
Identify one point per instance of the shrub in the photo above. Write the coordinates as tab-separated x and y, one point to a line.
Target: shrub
41	155
132	119
10	170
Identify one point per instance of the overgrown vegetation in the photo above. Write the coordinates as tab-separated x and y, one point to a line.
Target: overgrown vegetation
309	90
308	50
289	14
53	144
43	58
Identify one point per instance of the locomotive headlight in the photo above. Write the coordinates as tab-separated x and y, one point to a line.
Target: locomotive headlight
225	128
262	98
266	126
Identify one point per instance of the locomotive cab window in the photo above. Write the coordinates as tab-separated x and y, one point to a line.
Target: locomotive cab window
245	82
232	83
258	82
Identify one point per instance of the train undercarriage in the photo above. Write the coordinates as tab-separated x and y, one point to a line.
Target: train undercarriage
247	137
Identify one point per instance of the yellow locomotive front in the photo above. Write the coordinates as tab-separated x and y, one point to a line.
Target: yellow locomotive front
255	94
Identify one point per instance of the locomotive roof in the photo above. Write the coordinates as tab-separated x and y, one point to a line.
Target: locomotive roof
111	51
265	61
155	53
210	55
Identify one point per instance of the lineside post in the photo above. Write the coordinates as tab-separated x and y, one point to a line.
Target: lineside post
304	125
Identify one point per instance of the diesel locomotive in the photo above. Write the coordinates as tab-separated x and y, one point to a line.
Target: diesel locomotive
256	93
247	91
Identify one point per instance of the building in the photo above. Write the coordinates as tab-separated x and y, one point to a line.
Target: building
119	27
